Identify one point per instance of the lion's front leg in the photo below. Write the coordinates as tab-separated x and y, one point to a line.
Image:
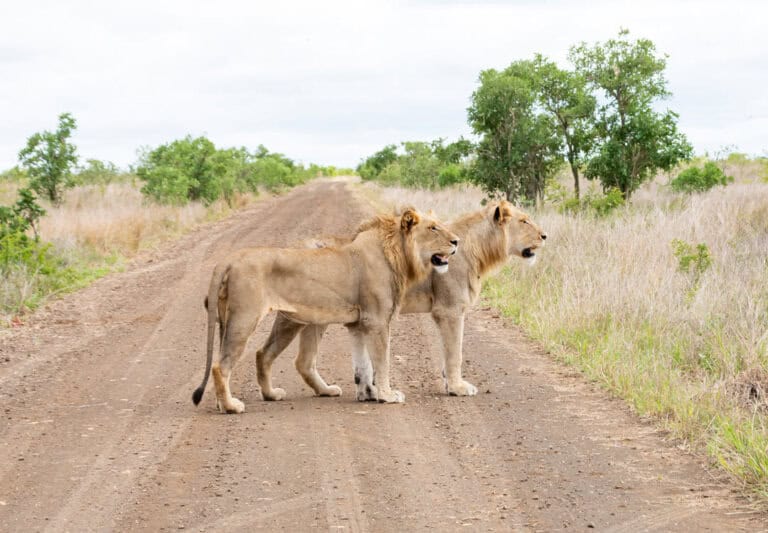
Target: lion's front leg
361	364
451	329
377	344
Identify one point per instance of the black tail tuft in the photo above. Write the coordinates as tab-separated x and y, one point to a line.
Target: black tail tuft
198	395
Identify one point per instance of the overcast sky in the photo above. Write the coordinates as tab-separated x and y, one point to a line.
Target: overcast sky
331	82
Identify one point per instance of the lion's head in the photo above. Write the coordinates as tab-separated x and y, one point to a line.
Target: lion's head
414	242
434	243
498	232
523	237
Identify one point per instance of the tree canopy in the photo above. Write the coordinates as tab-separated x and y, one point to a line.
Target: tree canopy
49	158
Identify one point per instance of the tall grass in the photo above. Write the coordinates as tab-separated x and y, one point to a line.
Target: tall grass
94	231
688	346
446	203
117	219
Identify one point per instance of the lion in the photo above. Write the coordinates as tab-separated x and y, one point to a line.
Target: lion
359	284
489	238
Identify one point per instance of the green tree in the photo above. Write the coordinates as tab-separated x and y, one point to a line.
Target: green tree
519	146
48	159
452	153
565	96
374	165
634	140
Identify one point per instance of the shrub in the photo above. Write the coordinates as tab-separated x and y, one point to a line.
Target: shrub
419	165
599	206
15	175
97	172
451	175
22	216
374	165
180	171
194	169
692	261
695	179
611	200
271	172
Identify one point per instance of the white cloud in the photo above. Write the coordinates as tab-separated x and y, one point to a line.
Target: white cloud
331	82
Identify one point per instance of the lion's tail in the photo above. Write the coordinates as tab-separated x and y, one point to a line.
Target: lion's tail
216	291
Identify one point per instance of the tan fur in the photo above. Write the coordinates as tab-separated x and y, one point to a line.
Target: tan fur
360	284
489	237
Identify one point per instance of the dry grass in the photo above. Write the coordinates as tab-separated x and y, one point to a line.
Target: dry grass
117	219
95	229
609	296
446	203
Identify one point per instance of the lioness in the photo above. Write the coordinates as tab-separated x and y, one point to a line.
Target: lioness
360	283
489	238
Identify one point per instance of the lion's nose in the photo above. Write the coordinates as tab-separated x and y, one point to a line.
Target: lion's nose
455	242
544	236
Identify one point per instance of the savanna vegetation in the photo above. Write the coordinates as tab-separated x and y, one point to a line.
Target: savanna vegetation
653	279
63	223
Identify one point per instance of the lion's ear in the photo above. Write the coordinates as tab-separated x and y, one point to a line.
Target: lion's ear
502	213
409	219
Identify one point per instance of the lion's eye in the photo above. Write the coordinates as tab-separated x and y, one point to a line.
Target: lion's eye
525	221
433	228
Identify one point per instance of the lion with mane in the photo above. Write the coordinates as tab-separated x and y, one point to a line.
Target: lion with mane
360	284
489	238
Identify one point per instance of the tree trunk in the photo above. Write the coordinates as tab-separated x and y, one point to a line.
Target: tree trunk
575	172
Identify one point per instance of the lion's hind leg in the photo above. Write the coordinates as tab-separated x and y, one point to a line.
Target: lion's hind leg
284	330
239	327
306	361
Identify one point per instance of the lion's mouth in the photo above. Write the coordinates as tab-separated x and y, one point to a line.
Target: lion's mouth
528	253
440	260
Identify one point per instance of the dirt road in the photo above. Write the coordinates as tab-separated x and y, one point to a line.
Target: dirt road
98	431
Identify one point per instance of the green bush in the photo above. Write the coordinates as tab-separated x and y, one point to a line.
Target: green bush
180	171
97	172
599	206
22	216
419	165
695	179
374	165
603	205
451	175
194	169
692	261
15	175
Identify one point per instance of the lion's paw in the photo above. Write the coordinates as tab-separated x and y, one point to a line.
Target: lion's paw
332	390
276	395
394	396
367	393
463	388
234	406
